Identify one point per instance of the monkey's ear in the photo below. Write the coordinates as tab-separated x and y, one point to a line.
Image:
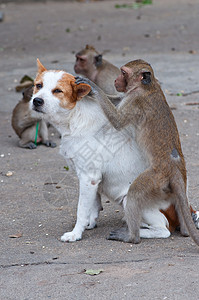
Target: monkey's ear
98	60
80	90
40	67
146	77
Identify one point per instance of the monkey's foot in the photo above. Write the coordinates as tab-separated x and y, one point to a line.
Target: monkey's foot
122	234
29	145
195	217
70	237
50	144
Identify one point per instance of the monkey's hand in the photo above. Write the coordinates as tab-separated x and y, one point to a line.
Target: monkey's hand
95	90
116	118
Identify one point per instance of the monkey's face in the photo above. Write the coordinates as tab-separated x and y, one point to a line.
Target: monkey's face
121	81
87	61
55	91
134	75
80	66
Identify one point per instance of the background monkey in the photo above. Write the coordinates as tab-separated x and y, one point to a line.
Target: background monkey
90	64
24	124
164	180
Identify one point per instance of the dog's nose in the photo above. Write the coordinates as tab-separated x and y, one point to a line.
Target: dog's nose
38	102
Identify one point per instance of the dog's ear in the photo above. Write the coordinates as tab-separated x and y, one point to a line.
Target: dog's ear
40	67
80	90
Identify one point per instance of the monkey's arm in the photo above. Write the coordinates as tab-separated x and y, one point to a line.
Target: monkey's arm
115	99
117	117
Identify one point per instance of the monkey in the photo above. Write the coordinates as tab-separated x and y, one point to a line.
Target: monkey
25	123
90	63
164	180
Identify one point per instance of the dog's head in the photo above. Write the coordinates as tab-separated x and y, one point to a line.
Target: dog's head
55	90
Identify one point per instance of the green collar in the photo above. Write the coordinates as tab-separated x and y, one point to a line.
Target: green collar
36	134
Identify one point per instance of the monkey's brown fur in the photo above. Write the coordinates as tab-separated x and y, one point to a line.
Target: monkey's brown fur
24	124
144	106
90	63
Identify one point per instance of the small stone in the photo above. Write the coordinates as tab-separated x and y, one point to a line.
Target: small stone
192	51
9	173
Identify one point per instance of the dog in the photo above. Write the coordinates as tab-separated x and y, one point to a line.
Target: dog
106	161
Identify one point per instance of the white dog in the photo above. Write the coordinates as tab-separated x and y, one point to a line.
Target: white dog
106	161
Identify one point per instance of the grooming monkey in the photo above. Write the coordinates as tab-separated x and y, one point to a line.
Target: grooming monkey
24	123
90	64
164	180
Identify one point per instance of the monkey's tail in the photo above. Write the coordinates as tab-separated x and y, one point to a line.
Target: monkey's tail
183	205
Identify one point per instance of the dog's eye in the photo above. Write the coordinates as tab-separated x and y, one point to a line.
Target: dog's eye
39	86
56	91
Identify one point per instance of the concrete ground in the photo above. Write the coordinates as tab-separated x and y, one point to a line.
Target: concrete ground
34	214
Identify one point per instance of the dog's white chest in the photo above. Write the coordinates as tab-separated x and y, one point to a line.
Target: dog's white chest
107	155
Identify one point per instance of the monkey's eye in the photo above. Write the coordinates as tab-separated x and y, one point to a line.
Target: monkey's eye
82	60
56	91
123	72
39	86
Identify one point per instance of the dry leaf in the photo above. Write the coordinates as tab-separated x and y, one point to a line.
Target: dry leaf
93	272
15	236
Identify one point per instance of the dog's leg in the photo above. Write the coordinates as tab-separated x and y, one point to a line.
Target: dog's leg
87	198
95	212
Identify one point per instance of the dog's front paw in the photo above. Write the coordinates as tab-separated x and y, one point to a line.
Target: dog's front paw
70	237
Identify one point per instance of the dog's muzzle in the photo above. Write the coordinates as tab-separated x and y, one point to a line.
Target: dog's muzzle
37	104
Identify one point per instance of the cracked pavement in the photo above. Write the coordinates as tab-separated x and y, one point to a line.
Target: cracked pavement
34	263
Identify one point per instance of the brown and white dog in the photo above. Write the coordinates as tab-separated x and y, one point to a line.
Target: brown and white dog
106	161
